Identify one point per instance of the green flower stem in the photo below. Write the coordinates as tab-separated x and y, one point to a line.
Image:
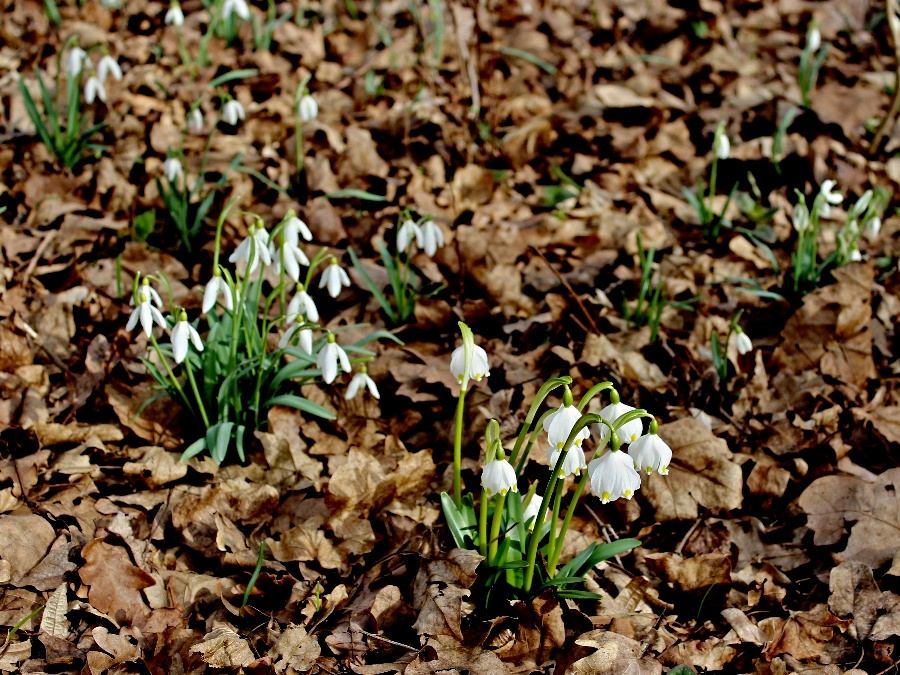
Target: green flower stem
542	394
482	525
712	179
592	392
584	421
457	448
554	519
495	528
557	549
169	372
190	375
531	440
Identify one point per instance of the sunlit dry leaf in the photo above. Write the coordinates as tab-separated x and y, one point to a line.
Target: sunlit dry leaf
815	634
615	655
223	648
157	466
53	620
295	651
24	539
443	653
691	573
115	583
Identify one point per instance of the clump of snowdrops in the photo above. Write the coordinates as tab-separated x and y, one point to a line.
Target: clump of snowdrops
263	338
521	530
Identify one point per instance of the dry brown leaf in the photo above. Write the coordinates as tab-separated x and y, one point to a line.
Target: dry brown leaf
854	594
295	651
115	583
24	540
815	634
615	655
53	619
223	648
157	466
691	573
444	654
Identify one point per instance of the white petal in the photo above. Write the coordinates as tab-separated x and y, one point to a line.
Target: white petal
342	355
327	362
195	338
373	388
353	387
180	341
306	341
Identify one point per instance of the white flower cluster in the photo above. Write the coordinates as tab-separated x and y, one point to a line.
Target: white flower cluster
78	59
147	312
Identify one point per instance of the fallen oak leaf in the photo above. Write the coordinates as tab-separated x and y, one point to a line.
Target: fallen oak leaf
115	584
224	648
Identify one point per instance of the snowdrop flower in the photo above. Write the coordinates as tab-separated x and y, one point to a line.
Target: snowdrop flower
75	61
109	66
572	464
651	453
181	334
334	278
409	232
498	476
332	359
154	296
145	311
172	169
195	121
855	255
742	341
174	17
628	432
813	39
721	144
800	217
304	338
613	476
432	237
291	255
238	7
358	381
307	109
872	227
295	228
831	197
216	286
252	249
531	510
233	112
302	305
478	365
559	423
94	89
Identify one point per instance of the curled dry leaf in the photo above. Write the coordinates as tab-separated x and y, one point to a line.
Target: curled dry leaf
295	651
222	647
614	655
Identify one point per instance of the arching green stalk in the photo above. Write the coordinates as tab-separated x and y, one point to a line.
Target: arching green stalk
542	394
592	392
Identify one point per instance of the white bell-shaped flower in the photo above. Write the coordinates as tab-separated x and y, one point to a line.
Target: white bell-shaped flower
172	169
75	60
307	109
334	278
195	121
651	453
361	380
94	90
253	249
478	366
800	217
302	305
154	296
498	477
304	338
233	112
294	228
722	146
855	255
872	228
238	7
217	286
332	359
145	311
432	237
292	257
613	476
742	342
174	15
813	39
559	424
408	233
831	197
531	511
182	333
108	66
628	432
573	463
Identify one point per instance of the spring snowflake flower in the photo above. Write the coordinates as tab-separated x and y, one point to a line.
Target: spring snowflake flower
572	464
181	334
238	7
145	311
332	359
478	366
174	16
172	169
109	66
613	476
233	112
651	453
252	249
498	476
531	510
307	109
75	60
195	121
94	89
304	338
742	341
432	237
302	305
360	380
216	286
559	424
334	278
628	432
409	232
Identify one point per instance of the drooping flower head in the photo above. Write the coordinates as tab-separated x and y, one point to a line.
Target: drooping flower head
253	249
628	432
75	60
721	144
195	120
468	361
613	475
560	422
332	360
238	7
531	511
334	278
145	300
181	334
359	381
174	15
498	475
233	112
573	463
651	453
109	66
217	286
302	305
742	341
172	169
307	109
432	237
408	233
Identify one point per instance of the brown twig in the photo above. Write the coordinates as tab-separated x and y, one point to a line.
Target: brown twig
569	288
888	121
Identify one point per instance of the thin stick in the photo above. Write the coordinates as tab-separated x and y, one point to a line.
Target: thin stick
888	121
569	288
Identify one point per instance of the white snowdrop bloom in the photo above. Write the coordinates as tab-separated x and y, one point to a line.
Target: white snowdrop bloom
291	256
108	66
613	476
233	112
628	432
295	228
307	109
154	296
174	16
94	89
334	278
302	305
360	380
304	338
238	7
75	61
573	463
800	217
722	145
531	510
432	237
172	169
559	424
195	121
478	365
332	359
252	249
828	192
181	334
814	39
872	227
145	311
855	255
651	453
742	342
216	286
408	233
498	476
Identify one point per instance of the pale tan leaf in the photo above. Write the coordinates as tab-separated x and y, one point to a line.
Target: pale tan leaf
54	620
